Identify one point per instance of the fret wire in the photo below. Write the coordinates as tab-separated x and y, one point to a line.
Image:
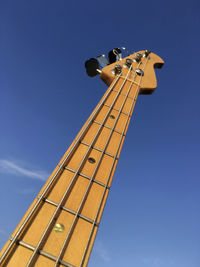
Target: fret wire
44	253
98	149
67	239
131	80
69	210
58	171
33	257
108	127
87	177
116	109
122	94
91	233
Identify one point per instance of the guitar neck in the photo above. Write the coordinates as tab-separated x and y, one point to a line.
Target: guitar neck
60	226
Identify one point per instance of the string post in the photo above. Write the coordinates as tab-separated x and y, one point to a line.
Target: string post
129	62
147	52
137	57
115	55
139	72
118	69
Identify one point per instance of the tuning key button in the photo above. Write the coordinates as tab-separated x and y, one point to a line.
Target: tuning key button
129	62
146	53
118	69
92	67
139	72
137	57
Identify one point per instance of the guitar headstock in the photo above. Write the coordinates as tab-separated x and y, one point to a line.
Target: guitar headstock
138	64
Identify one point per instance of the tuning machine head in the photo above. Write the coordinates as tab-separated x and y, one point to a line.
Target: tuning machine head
147	52
92	67
114	55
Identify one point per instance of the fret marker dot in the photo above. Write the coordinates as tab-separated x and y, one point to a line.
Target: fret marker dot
59	228
112	117
91	160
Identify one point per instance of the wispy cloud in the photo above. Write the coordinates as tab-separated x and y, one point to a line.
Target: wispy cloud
7	166
101	251
157	261
2	232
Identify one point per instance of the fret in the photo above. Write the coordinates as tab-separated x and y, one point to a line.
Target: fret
106	126
101	140
42	260
70	211
116	109
119	101
98	149
122	94
130	80
87	177
125	89
127	105
110	122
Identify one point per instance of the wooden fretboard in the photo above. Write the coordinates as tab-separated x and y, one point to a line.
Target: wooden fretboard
59	228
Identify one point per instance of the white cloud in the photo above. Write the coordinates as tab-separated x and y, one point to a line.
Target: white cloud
2	232
101	251
7	166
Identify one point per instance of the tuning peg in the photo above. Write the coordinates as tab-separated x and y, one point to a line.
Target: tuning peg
146	53
129	62
115	55
137	57
118	69
92	67
103	61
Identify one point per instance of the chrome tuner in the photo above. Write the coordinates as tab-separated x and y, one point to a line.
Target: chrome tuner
115	55
137	57
118	69
139	72
146	53
103	61
129	62
92	67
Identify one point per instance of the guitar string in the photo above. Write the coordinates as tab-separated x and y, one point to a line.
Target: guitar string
70	185
105	188
70	232
58	172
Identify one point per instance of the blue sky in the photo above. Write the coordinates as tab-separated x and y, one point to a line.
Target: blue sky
152	215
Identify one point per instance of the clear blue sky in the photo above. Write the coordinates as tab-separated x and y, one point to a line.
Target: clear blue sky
152	215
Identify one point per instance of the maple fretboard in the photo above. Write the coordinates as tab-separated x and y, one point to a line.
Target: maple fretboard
60	226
